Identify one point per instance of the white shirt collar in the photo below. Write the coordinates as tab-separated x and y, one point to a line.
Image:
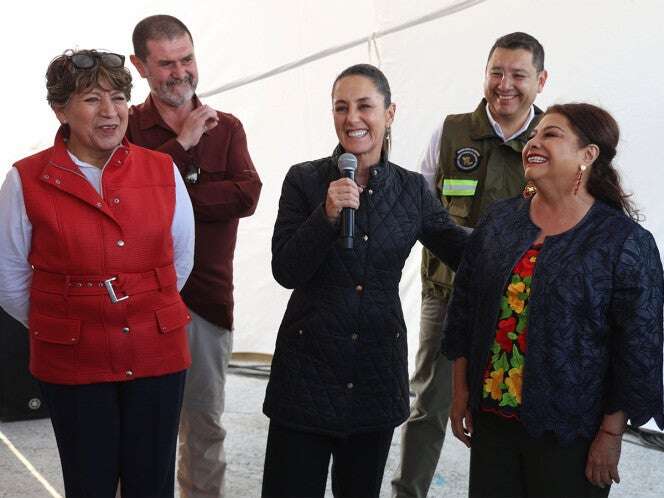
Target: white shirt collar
499	130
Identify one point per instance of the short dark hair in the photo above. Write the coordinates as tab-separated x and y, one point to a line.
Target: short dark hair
157	27
514	41
594	125
376	76
63	79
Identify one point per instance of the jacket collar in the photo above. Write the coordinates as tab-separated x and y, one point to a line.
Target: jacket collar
60	154
378	173
481	128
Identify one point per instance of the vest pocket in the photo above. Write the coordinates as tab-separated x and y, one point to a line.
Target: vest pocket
459	208
53	346
54	330
172	317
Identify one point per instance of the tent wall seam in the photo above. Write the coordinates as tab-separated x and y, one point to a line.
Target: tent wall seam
446	11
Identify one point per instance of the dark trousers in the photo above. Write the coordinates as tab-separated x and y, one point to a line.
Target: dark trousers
506	462
117	430
296	463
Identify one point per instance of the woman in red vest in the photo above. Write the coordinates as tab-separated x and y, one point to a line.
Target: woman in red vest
96	239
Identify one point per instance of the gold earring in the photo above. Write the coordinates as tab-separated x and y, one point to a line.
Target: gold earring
529	190
579	175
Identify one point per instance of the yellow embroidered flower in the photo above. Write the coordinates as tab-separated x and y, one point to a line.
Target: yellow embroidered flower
514	382
492	384
513	292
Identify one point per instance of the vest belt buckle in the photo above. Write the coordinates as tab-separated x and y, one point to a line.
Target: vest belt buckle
111	291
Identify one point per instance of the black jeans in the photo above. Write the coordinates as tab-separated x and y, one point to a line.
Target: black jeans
117	430
506	462
296	463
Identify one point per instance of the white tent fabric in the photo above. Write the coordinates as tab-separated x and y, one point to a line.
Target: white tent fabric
607	53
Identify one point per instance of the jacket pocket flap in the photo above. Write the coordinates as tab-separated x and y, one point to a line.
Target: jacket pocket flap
460	206
54	330
172	317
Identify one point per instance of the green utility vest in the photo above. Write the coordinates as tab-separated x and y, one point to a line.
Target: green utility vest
475	169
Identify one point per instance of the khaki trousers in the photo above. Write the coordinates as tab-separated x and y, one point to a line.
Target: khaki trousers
423	434
202	461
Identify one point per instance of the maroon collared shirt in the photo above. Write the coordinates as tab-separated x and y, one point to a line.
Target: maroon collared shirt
227	189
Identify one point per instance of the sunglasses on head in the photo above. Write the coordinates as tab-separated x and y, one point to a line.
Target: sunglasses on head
88	60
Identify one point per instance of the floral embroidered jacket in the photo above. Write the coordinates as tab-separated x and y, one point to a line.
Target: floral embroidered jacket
594	321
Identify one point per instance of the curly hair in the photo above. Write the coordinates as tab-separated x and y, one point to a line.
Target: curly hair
63	78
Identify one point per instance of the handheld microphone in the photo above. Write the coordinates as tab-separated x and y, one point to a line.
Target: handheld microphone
347	165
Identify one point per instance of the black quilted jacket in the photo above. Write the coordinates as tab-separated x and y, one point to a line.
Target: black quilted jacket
594	317
340	362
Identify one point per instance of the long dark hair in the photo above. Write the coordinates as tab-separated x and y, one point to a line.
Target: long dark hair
594	125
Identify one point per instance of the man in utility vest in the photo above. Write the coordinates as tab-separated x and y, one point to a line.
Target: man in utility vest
210	150
472	160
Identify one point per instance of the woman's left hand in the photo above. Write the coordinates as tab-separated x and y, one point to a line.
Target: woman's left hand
603	457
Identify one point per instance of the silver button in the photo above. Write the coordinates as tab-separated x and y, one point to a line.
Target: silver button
46	177
365	237
359	289
57	182
370	192
354	337
116	201
300	332
374	172
398	334
125	330
129	373
120	243
349	385
98	204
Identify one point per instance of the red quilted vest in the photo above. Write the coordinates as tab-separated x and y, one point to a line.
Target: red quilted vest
89	250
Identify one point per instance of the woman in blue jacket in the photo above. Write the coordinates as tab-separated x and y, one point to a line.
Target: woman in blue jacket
555	325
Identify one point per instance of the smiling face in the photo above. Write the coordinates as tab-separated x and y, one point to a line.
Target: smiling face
511	84
553	155
360	118
97	119
170	69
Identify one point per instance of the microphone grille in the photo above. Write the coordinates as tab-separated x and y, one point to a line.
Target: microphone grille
347	162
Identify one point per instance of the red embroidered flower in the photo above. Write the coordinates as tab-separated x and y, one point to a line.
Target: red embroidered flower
525	266
521	340
504	328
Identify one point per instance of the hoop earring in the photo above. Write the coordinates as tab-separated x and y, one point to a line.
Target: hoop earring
579	175
529	190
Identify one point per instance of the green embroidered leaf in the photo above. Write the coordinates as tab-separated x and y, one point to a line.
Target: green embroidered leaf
494	360
503	386
528	281
512	335
523	296
503	363
505	310
495	348
517	357
516	279
508	400
523	321
485	394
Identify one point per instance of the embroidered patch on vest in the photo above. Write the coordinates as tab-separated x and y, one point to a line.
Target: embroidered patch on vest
467	159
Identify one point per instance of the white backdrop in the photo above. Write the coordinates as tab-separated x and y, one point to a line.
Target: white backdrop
604	52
